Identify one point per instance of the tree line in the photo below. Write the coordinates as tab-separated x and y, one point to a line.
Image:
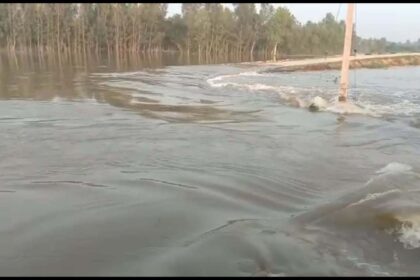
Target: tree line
206	30
382	45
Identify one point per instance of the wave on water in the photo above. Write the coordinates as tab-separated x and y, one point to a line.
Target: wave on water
212	81
394	167
342	234
250	74
403	107
408	231
349	108
302	97
289	94
389	202
118	75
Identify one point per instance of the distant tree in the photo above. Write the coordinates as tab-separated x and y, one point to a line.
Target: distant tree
209	30
280	27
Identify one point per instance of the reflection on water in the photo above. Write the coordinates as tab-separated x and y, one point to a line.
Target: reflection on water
147	169
51	82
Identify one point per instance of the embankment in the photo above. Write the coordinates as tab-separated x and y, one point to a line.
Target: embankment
334	63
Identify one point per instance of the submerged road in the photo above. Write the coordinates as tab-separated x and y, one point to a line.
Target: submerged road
331	59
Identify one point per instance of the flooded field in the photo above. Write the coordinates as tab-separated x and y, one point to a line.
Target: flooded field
207	170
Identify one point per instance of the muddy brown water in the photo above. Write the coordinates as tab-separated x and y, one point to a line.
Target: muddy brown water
204	170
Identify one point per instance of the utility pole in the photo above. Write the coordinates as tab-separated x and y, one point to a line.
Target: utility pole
346	54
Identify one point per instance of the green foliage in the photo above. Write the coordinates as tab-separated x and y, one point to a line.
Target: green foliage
210	30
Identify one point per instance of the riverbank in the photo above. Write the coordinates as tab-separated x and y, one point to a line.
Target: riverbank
332	63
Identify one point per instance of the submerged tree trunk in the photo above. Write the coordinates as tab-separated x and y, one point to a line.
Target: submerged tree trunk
252	50
275	52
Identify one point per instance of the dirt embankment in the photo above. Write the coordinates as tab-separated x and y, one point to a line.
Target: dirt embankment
379	61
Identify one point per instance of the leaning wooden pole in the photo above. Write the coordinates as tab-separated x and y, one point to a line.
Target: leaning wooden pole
346	54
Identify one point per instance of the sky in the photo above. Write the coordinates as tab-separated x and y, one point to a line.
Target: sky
395	22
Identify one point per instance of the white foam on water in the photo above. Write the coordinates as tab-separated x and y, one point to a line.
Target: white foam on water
288	93
134	101
409	231
410	236
391	168
404	108
303	97
348	108
251	74
220	85
320	102
212	81
257	86
394	167
260	87
373	196
118	75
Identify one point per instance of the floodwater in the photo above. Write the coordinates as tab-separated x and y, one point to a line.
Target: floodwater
208	170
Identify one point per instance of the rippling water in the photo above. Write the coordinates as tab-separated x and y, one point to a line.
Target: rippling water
208	170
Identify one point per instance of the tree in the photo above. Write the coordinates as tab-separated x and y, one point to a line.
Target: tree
210	30
176	31
280	27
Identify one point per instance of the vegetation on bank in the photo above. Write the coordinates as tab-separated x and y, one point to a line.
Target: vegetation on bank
208	31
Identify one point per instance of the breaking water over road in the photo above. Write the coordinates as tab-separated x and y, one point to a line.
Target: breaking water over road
208	170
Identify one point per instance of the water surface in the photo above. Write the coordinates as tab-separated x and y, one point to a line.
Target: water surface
207	170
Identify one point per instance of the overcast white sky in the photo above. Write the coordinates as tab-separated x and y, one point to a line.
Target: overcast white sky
396	22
